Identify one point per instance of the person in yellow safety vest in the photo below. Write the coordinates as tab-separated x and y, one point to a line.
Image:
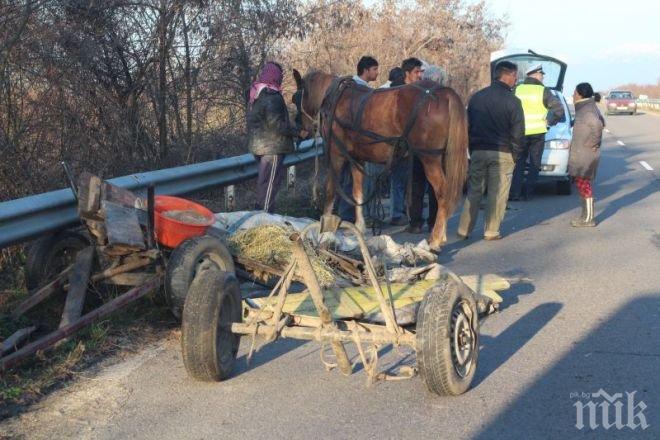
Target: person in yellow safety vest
542	109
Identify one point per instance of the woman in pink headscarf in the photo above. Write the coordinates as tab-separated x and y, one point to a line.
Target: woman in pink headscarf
270	133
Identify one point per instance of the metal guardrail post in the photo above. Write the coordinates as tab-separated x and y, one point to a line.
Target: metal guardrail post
32	216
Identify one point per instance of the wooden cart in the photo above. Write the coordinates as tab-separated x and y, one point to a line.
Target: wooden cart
445	338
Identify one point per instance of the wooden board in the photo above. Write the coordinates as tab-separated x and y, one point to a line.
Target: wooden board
41	294
122	226
15	339
89	195
78	281
357	302
121	196
482	283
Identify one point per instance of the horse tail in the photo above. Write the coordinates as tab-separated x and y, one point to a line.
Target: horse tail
455	160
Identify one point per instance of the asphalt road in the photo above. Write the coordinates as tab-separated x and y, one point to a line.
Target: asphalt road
585	317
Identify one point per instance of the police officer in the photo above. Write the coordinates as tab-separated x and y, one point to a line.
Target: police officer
542	109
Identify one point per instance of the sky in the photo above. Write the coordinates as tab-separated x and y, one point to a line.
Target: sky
606	42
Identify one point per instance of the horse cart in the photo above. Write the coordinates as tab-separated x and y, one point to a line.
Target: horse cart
220	299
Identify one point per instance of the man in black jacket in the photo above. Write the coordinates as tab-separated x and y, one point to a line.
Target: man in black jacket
496	131
270	133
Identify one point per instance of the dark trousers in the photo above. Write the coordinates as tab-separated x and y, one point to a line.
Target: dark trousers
420	187
271	170
399	183
532	150
345	210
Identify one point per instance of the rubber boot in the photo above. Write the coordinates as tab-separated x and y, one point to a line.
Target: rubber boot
588	220
577	221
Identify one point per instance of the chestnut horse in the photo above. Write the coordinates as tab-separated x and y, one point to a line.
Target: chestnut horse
359	124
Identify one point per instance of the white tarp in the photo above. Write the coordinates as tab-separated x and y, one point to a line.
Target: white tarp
381	247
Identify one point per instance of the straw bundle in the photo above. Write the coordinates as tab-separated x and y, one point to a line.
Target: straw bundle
270	244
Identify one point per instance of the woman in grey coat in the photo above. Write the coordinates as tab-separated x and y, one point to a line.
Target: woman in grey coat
585	150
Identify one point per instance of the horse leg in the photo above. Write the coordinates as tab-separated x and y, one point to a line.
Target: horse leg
435	176
337	163
358	197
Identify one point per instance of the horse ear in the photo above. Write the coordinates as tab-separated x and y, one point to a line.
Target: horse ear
298	78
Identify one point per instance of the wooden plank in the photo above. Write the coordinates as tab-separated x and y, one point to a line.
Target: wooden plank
481	283
121	196
98	313
356	302
15	339
122	226
78	281
41	294
89	195
129	279
97	229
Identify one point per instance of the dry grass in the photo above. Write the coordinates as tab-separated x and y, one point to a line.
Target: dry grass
270	244
134	327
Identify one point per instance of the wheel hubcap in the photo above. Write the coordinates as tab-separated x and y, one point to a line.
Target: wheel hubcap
463	339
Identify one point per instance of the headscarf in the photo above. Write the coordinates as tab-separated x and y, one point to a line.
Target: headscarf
270	77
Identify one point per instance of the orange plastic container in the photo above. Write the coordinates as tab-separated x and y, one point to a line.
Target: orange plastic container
171	232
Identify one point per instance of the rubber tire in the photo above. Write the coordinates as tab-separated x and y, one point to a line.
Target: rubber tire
49	255
183	263
563	187
434	359
214	297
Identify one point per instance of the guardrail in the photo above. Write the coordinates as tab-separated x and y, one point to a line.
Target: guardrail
29	217
651	104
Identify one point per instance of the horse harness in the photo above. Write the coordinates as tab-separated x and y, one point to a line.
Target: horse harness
401	144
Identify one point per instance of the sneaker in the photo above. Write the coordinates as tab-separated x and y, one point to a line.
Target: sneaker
493	237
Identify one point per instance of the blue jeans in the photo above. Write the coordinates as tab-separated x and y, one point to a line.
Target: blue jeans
398	189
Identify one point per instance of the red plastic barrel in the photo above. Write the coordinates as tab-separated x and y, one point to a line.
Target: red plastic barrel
171	232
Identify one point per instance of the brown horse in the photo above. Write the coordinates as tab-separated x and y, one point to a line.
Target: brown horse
358	128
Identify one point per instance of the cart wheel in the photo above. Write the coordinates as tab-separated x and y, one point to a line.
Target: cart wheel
184	263
49	255
447	339
214	302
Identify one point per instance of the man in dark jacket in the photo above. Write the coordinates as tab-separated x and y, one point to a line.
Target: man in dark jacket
270	133
541	108
496	130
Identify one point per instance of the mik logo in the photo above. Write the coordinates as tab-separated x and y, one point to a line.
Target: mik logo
613	411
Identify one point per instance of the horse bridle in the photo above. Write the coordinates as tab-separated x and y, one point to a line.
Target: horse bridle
315	121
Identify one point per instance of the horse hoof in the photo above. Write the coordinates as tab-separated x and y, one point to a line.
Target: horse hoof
435	248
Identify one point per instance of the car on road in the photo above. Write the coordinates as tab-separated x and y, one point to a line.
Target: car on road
620	101
554	164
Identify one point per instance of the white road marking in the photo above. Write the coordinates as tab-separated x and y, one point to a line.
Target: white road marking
607	131
646	165
621	143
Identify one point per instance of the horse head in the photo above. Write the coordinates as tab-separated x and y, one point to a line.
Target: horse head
309	96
